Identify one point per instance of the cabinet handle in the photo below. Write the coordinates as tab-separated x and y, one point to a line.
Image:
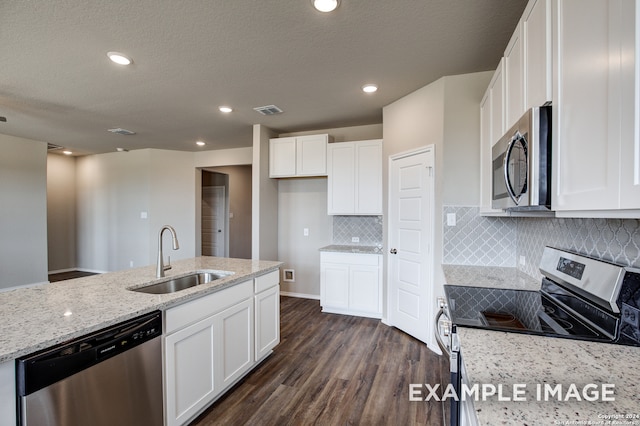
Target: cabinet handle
393	251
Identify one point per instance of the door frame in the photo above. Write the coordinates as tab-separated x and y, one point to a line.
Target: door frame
430	293
225	220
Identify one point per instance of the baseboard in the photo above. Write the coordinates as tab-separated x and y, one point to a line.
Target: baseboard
300	295
62	271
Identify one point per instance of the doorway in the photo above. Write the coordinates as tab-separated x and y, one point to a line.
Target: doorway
225	220
411	224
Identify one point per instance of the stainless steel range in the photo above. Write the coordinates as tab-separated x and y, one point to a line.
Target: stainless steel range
580	298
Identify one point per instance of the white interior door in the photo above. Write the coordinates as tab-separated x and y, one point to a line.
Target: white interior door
214	232
410	272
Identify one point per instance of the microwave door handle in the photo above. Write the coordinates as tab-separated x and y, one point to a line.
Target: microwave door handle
507	181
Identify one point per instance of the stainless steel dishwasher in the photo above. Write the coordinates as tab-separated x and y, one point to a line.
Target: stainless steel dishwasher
110	377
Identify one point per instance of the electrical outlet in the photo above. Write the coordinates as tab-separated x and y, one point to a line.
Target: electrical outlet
451	219
305	232
131	264
355	239
523	260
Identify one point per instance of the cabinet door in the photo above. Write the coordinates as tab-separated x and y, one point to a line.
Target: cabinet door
341	178
364	289
282	157
334	285
630	149
514	79
190	379
486	169
369	178
496	93
587	105
234	344
536	37
267	326
311	155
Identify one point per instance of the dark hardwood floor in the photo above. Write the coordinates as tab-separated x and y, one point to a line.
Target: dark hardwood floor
333	370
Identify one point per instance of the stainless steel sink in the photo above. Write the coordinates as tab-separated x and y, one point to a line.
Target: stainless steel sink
176	284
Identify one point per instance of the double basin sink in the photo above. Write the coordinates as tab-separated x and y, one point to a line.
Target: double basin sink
172	285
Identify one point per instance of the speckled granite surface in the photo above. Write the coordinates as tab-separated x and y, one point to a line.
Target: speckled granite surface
353	249
509	358
489	276
33	318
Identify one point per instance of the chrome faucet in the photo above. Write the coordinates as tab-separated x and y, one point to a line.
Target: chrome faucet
160	267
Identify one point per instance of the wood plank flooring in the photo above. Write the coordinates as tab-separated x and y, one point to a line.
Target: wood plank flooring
333	370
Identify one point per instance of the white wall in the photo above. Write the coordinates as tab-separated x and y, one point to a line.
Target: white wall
61	212
446	114
302	203
264	244
23	211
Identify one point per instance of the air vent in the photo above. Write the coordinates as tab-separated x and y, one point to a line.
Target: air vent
122	131
3	119
268	110
52	147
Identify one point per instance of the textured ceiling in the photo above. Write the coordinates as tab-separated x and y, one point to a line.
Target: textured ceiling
58	86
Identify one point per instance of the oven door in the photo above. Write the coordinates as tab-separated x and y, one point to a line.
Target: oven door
448	343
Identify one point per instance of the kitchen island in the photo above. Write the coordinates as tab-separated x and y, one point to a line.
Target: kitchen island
38	317
562	381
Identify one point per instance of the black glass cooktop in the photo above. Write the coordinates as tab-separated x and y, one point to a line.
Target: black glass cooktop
550	312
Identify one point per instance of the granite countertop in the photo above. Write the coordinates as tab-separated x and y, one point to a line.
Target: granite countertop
489	276
501	358
497	357
353	249
34	318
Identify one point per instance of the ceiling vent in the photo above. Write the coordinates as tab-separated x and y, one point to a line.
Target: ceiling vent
52	147
268	110
122	131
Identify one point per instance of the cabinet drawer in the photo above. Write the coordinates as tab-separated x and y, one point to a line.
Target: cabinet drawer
266	281
195	310
351	258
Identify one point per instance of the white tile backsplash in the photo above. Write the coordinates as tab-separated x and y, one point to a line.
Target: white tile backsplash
501	241
368	229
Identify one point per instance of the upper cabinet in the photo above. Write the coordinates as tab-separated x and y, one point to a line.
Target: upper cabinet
582	56
355	178
491	129
596	115
535	28
299	156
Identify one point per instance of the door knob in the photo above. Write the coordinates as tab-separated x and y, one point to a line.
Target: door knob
393	251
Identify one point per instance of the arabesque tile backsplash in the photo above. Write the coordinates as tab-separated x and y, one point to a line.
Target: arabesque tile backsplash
367	228
500	241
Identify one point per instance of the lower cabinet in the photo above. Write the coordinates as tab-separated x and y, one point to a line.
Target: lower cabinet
212	342
351	284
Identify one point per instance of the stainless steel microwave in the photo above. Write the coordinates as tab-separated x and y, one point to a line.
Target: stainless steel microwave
522	164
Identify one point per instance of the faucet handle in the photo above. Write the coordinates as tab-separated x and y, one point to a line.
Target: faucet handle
168	265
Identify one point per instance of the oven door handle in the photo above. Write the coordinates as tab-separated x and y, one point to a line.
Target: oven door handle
447	330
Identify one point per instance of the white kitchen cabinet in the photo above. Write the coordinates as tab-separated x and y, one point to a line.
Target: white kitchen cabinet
489	106
8	393
206	345
267	314
595	97
234	343
354	172
535	27
351	284
300	156
496	96
514	78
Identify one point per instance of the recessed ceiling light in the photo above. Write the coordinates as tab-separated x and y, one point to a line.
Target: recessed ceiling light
225	109
326	5
119	58
67	152
200	143
369	88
